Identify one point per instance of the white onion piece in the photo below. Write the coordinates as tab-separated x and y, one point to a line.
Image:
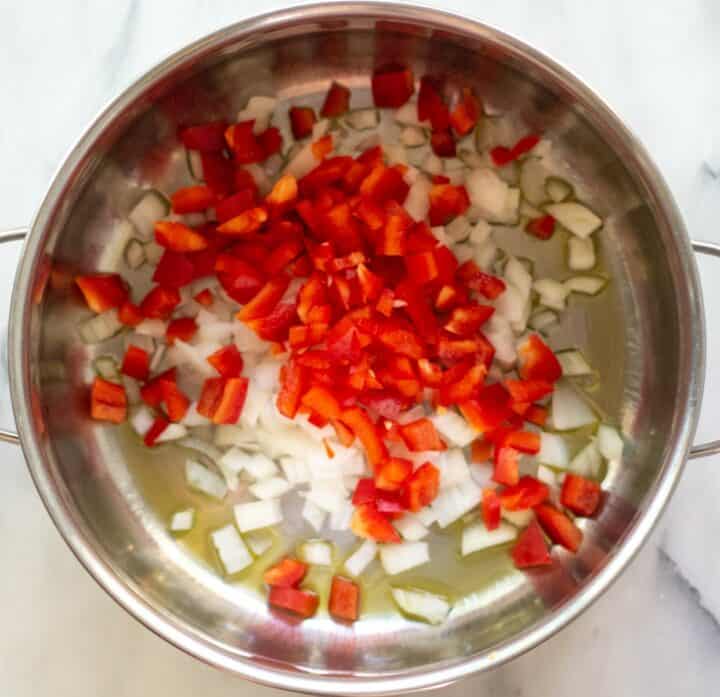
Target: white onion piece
455	429
569	410
261	179
476	537
417	203
361	558
257	514
410	528
157	358
230	548
512	304
193	417
134	254
260	109
546	475
432	164
458	230
495	200
316	552
362	119
407	115
194	356
453	468
150	208
426	516
456	501
259	542
272	488
500	334
101	327
543	319
463	252
428	607
341	519
581	253
143	341
480	233
203	447
516	274
295	470
609	442
172	432
575	217
573	363
328	494
152	327
397	558
302	163
588	461
586	285
204	480
412	137
520	519
553	450
255	401
314	515
106	367
141	420
182	521
132	389
267	374
259	466
214	332
552	293
230	434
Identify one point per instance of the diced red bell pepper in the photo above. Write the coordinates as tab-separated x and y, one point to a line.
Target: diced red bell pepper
489	410
386	184
542	228
525	144
234	205
420	239
322	147
337	101
219	173
192	199
536	415
283	193
371	213
160	302
422	267
369	523
246	223
174	270
349	261
531	549
129	314
502	155
321	401
580	495
343	343
446	203
465	321
485	284
447	264
392	473
299	602
155	431
421	435
443	143
385	302
108	401
102	291
178	237
367	433
270	141
466	113
266	299
399	339
524	441
447	297
244	144
152	391
227	361
208	137
527	493
136	363
302	120
344	603
210	396
463	387
430	106
506	465
560	529
243	179
392	85
231	403
204	298
241	280
481	451
281	256
537	361
431	374
287	573
490	508
183	328
175	401
371	285
452	348
293	382
528	390
365	492
311	294
421	487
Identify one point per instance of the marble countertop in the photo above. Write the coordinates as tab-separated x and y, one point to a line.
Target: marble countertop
655	633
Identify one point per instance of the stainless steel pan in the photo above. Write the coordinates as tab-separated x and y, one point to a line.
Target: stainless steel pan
646	336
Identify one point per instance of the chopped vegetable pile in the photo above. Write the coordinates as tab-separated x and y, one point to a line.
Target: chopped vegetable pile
331	298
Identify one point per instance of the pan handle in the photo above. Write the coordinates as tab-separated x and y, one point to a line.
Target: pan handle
713	446
14	235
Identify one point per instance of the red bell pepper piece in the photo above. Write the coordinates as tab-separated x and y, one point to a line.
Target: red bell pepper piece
102	291
240	279
192	199
204	298
580	495
447	202
559	528
481	451
266	299
299	602
371	285
365	492
283	193
246	223
129	314
543	228
392	85
108	401
371	213
447	298
155	431
208	137
227	361
421	435
537	361
385	184
422	487
463	387
466	113
234	205
524	441
400	339
527	493
430	104
536	415
485	284
489	410
344	603
322	147
506	465
293	381
210	396
490	508
183	328
531	549
243	179
176	403
152	391
502	155
136	363
431	374
302	120
337	101
465	321
244	144
270	141
281	256
350	261
451	348
321	401
422	268
385	302
160	302
231	403
343	343
367	433
528	390
218	173
178	237
174	270
287	573
443	143
369	523
392	473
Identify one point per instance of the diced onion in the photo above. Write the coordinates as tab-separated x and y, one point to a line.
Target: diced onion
295	469
500	334
494	198
259	542
153	252
193	418
106	367
229	434
557	189
361	558
412	137
552	293
172	432
546	475
476	537
573	363
150	208
518	275
453	468
316	552
302	163
543	319
134	254
271	488
426	516
419	604
362	119
588	461
341	518
432	164
520	519
230	548
407	115
202	479
553	450
417	203
581	253
203	447
609	442
141	420
101	327
410	528
257	514
575	217
569	410
182	521
152	327
314	515
587	285
328	494
532	180
397	558
260	109
451	425
455	501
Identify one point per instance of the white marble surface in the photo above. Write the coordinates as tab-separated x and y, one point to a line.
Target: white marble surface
655	633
